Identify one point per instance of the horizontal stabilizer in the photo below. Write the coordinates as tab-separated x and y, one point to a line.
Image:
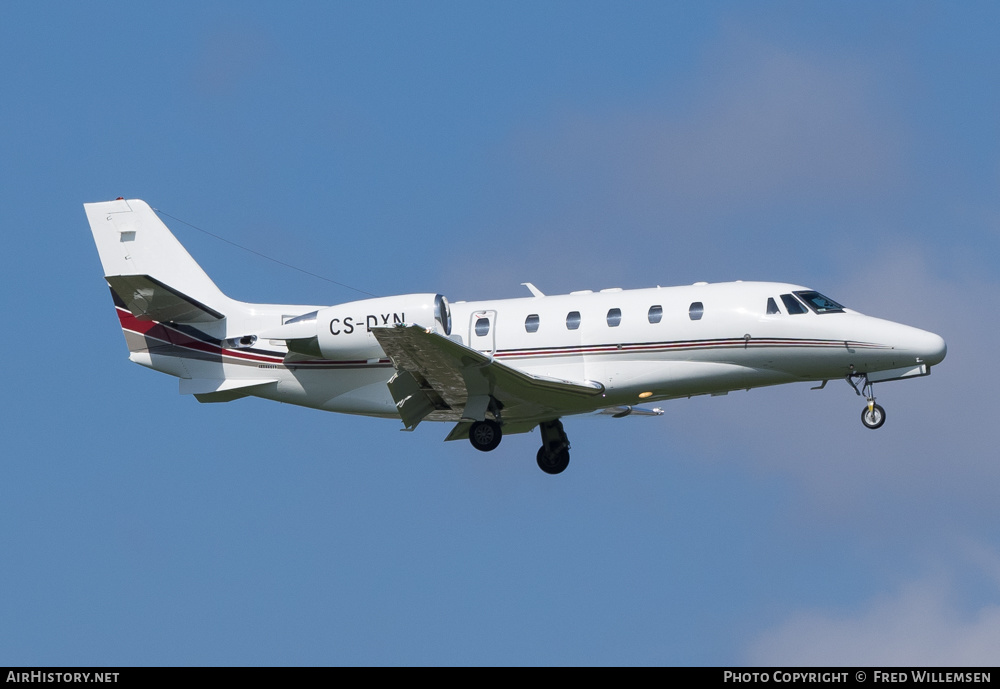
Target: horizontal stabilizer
150	300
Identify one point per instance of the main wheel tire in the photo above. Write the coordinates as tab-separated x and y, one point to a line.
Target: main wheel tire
873	418
485	435
552	463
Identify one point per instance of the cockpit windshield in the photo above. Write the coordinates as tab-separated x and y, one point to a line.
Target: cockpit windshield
818	303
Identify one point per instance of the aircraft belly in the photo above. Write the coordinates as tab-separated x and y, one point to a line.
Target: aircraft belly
626	375
360	390
805	364
351	390
371	400
672	378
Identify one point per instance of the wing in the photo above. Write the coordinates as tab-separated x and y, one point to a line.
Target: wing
442	380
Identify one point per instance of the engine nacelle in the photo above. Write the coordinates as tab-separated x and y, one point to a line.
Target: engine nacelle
344	332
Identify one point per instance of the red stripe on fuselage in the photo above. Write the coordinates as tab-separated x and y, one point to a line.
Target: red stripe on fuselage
176	337
172	336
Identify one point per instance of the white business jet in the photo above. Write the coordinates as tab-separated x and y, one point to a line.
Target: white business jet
491	368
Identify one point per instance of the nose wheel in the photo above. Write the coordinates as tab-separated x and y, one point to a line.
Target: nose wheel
873	416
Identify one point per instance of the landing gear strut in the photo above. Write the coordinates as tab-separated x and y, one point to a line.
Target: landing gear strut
872	416
553	455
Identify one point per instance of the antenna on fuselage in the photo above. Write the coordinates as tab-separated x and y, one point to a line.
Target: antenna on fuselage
534	290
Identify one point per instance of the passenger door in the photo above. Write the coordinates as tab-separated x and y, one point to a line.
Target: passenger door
482	331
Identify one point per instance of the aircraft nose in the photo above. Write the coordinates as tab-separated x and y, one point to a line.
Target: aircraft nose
929	347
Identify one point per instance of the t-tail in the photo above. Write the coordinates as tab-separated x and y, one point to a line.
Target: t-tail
175	319
153	281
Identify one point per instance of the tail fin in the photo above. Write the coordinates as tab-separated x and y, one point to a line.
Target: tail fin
150	273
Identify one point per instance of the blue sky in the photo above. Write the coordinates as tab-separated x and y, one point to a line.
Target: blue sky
464	148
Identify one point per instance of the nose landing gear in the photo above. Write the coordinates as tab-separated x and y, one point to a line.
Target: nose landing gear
872	416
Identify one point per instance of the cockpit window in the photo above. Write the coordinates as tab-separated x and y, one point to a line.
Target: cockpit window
818	303
792	305
772	307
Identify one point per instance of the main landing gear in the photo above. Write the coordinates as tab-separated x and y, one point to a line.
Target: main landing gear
485	435
873	415
553	455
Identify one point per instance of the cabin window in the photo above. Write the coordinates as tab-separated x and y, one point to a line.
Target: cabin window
772	307
573	320
482	327
696	311
655	314
818	303
531	323
614	318
792	305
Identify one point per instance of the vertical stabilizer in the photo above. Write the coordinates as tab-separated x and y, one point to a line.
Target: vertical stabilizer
136	248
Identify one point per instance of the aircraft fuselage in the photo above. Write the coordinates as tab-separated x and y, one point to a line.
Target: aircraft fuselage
491	367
